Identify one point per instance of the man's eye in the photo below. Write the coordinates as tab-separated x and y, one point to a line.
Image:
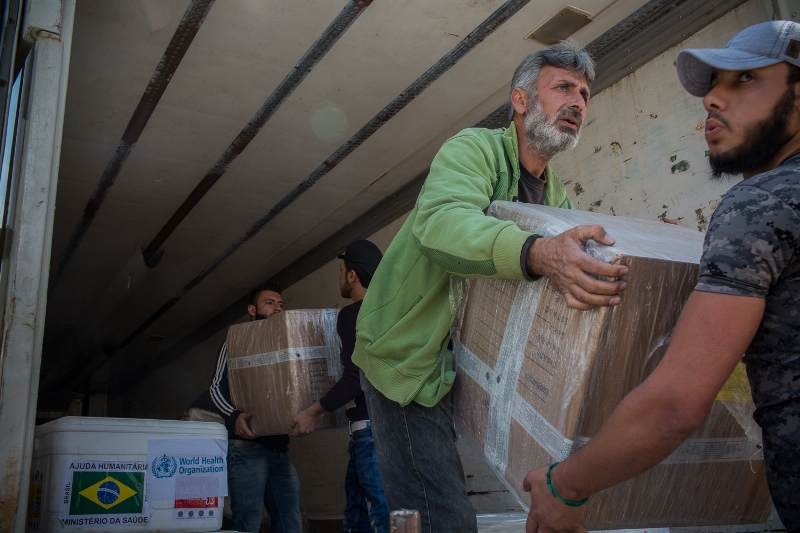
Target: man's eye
744	76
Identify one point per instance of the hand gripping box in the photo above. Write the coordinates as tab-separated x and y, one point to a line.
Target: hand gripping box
282	365
537	379
122	474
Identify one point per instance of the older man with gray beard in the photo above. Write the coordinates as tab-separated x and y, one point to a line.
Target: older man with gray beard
403	328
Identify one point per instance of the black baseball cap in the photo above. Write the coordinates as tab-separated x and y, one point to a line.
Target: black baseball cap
363	253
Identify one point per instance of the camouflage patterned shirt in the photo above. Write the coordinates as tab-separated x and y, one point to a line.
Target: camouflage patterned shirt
752	248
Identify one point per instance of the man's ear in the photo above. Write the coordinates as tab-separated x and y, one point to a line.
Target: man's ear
352	277
519	100
251	310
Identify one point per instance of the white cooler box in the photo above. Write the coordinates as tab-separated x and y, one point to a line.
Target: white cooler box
124	474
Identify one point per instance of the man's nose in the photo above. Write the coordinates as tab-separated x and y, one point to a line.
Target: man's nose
714	100
578	103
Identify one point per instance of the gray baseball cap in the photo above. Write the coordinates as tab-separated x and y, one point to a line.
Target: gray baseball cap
758	46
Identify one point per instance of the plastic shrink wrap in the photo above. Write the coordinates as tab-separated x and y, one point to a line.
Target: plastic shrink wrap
536	379
280	366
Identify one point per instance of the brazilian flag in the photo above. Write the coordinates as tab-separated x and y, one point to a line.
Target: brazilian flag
96	493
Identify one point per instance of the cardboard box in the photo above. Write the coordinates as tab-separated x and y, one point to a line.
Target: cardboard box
282	365
537	379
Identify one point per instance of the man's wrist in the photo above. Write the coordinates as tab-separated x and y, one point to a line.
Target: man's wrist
530	268
560	481
316	409
230	420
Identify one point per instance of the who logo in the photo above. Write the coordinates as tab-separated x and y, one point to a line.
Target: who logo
164	466
106	492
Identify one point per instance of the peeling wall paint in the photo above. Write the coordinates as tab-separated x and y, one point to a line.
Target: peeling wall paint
642	151
682	166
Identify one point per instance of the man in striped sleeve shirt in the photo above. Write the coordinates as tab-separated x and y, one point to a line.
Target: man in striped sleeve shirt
259	470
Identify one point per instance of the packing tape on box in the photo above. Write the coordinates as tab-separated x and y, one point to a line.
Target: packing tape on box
715	451
547	436
280	356
501	382
334	346
557	445
738	398
327	320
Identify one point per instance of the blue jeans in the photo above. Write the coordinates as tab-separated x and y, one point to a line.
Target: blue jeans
259	477
365	510
419	461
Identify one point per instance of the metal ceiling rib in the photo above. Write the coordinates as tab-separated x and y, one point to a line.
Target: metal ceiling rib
650	30
646	25
323	44
486	28
173	55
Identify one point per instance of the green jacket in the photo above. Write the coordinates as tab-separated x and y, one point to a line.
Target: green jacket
403	329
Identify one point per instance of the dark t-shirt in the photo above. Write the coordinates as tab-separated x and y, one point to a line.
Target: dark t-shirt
349	386
530	189
752	248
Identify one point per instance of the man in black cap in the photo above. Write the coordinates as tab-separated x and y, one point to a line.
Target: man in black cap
747	299
365	509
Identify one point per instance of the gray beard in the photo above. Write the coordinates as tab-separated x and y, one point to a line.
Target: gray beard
544	136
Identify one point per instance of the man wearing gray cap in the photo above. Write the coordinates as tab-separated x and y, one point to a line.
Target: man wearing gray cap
747	299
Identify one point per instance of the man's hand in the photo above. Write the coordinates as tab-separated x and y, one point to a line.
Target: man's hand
571	270
548	514
305	422
242	428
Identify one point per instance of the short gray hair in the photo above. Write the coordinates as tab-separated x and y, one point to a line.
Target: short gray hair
566	54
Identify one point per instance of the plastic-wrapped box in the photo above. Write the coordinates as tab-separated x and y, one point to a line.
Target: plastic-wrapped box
537	379
282	365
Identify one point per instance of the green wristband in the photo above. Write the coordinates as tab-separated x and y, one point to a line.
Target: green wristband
559	496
